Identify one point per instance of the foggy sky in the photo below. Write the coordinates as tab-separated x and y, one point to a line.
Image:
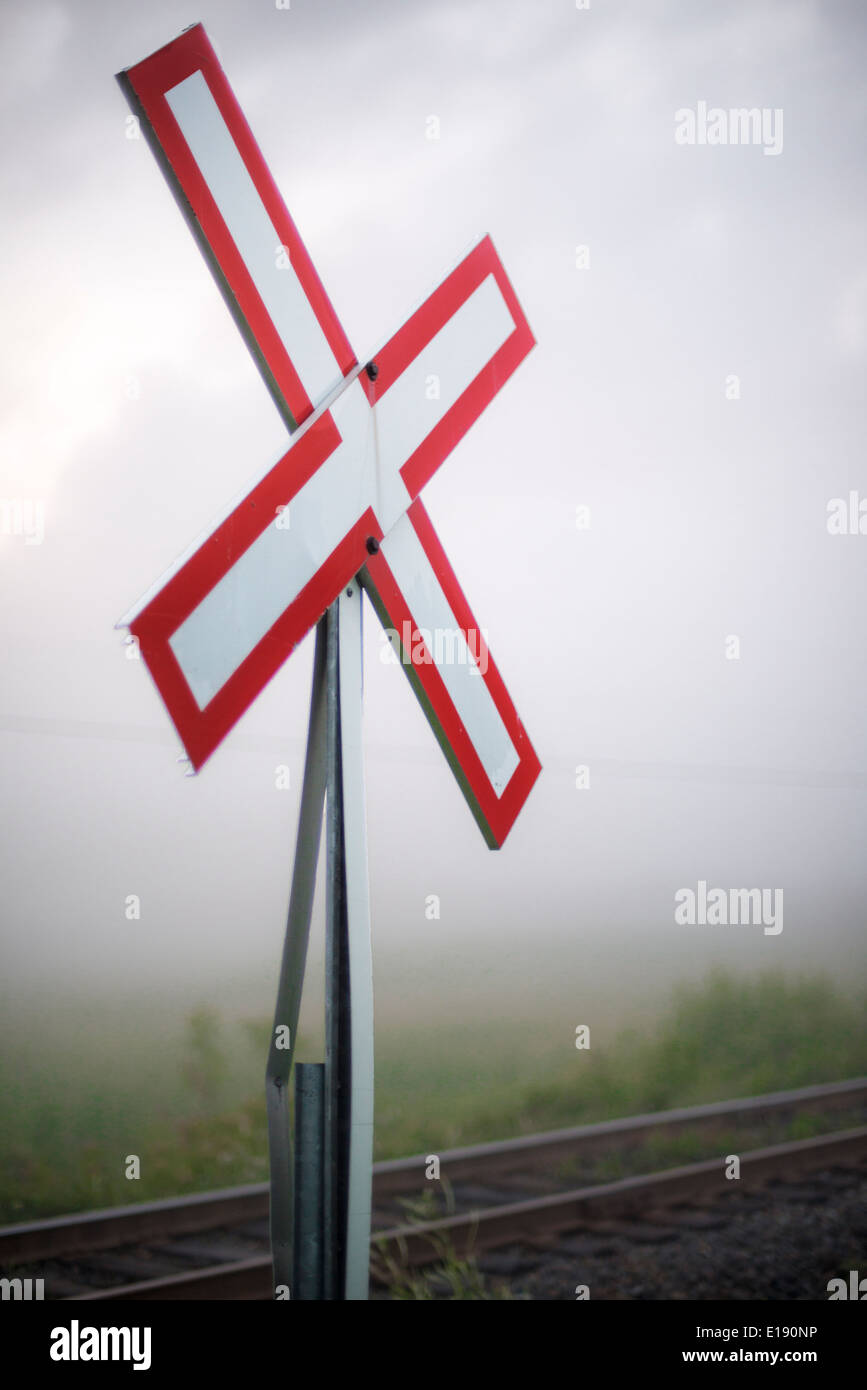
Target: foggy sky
131	412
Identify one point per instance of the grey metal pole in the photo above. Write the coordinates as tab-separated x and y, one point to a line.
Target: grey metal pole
359	1196
309	1170
337	996
348	969
288	1003
320	1222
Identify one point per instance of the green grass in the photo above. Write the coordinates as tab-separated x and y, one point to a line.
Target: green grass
724	1038
187	1095
449	1277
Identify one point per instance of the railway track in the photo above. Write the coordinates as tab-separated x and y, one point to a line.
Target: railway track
525	1192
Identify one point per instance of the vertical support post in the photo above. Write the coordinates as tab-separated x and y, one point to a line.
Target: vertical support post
321	1213
283	1033
349	968
357	899
337	993
309	1136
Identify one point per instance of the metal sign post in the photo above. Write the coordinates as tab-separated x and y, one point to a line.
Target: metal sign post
349	961
320	1223
284	1031
341	508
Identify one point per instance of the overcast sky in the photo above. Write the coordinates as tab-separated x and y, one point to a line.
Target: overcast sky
698	384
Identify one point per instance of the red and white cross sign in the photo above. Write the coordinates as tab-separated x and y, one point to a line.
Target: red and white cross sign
343	499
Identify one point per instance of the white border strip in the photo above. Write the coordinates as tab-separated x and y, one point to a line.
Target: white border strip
213	147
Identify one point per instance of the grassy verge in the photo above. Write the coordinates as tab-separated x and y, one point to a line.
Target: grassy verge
196	1116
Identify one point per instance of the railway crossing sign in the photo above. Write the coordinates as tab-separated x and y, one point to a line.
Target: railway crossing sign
341	506
344	496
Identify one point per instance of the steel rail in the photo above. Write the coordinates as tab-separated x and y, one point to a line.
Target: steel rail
484	1229
528	1221
84	1232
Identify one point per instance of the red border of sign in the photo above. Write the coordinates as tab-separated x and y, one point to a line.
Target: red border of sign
495	815
149	80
